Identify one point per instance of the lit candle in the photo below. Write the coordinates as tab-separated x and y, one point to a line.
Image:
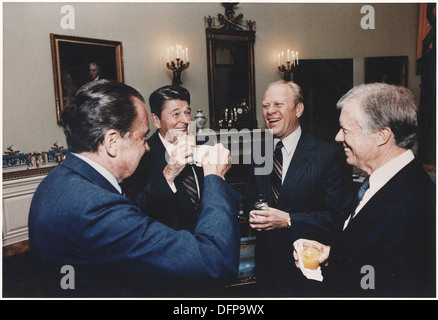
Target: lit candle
187	54
177	51
282	57
293	58
297	57
288	55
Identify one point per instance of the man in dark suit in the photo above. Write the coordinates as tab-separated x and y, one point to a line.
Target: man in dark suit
387	246
163	181
91	241
307	193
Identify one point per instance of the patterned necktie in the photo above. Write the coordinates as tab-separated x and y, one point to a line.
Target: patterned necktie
191	188
276	174
360	193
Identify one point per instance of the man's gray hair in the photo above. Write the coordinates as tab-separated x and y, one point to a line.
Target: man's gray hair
385	105
296	89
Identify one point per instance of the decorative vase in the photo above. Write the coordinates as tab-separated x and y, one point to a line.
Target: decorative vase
200	120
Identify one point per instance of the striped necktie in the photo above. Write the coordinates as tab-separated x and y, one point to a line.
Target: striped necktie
191	188
276	174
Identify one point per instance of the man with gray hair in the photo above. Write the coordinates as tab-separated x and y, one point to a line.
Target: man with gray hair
306	192
387	246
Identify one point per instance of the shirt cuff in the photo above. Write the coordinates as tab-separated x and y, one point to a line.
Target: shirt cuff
172	186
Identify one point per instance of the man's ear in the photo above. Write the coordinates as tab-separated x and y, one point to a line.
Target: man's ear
300	109
384	135
156	121
111	142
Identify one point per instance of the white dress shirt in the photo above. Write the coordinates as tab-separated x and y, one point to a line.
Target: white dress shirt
289	145
104	172
381	176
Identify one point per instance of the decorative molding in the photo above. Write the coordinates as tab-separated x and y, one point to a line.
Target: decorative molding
21	174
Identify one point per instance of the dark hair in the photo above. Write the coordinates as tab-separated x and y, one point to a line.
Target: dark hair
98	107
163	94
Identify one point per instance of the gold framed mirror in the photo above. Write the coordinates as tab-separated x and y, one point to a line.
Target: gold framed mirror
231	83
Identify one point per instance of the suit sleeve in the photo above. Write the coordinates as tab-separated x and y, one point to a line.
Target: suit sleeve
142	247
328	205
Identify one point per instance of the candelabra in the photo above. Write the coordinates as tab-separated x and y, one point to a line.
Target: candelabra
291	64
177	63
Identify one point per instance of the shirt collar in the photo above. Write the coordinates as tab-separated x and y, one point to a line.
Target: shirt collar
103	171
167	145
291	141
382	175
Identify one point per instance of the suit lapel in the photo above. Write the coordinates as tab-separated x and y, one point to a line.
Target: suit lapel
301	159
372	211
158	151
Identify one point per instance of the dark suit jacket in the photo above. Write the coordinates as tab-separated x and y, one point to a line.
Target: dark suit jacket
316	194
394	233
148	187
78	218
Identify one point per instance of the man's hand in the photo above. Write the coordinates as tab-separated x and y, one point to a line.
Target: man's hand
322	259
217	160
180	157
264	220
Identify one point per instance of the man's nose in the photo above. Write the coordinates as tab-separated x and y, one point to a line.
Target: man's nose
339	136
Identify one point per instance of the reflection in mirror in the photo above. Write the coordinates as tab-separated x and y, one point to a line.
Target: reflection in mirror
230	52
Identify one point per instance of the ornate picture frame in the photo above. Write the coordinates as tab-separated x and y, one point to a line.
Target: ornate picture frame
76	59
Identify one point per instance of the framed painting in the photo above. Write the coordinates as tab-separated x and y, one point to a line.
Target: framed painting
391	70
77	61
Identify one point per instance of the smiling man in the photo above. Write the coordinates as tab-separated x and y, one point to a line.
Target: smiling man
80	219
164	177
392	228
307	193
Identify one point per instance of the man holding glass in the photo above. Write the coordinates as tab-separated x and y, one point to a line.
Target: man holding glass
307	193
80	219
387	246
165	176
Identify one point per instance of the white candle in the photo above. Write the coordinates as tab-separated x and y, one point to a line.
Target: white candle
177	51
187	54
282	57
293	58
168	55
288	55
297	57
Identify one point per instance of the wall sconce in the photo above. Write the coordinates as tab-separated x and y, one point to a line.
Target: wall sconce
177	61
291	63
